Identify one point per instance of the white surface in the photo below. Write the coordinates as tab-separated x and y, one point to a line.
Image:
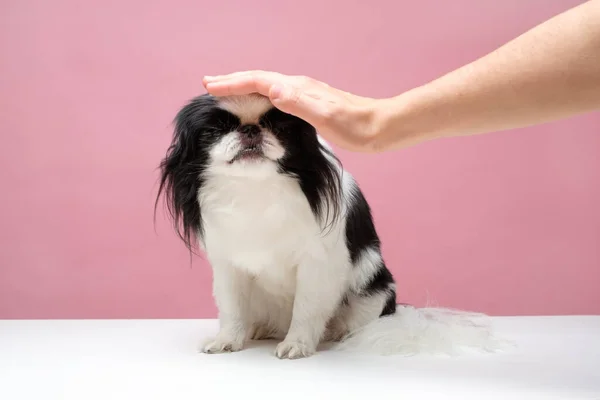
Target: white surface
555	358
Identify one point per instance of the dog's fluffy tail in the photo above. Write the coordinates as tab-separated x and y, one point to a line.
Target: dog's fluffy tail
413	331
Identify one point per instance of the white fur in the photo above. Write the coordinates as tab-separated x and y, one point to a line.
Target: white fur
248	108
412	331
277	275
274	270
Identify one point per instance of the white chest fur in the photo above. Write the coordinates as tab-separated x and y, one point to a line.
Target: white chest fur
262	226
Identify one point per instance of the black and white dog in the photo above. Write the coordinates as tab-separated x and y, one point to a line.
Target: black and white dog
290	237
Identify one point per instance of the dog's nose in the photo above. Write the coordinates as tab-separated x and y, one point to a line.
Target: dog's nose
250	135
250	131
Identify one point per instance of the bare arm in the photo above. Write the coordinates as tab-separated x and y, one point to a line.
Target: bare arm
548	73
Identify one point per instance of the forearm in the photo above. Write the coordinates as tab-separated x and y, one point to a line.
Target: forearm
548	73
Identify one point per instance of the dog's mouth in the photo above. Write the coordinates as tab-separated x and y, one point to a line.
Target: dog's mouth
250	153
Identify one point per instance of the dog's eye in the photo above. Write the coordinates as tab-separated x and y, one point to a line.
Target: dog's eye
277	120
223	121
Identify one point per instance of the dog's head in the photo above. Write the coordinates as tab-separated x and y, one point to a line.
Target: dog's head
243	137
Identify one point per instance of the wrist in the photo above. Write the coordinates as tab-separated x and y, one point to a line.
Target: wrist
405	120
389	124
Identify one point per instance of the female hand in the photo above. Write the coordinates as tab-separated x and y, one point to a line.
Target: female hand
548	73
344	119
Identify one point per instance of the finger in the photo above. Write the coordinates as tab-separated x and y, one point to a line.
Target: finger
239	74
235	74
295	101
241	85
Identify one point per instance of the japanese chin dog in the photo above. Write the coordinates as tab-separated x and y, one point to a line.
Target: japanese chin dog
290	237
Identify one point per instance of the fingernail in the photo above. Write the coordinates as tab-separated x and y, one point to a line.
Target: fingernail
209	78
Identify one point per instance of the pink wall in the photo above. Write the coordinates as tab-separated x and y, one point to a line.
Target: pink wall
504	223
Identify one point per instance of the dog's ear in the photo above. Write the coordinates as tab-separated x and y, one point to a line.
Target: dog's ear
181	169
311	161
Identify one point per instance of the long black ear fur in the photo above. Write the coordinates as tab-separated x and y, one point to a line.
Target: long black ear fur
181	169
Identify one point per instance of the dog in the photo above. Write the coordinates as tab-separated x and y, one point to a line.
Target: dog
290	238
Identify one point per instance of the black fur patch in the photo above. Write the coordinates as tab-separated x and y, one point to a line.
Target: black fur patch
390	304
304	160
361	235
197	126
360	229
380	282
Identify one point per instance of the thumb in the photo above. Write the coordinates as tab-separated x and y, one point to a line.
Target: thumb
293	100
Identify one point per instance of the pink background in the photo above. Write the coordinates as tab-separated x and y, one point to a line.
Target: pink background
504	223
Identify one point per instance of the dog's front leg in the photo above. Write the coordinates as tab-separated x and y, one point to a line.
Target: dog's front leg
320	285
231	288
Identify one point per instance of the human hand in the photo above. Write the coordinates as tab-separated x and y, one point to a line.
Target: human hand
342	118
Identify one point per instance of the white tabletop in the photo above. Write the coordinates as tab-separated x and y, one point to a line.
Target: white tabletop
555	358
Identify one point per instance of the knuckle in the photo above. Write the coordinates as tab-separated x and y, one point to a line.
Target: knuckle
310	81
294	96
303	80
330	112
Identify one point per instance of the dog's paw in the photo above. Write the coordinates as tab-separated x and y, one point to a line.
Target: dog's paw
293	350
221	345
